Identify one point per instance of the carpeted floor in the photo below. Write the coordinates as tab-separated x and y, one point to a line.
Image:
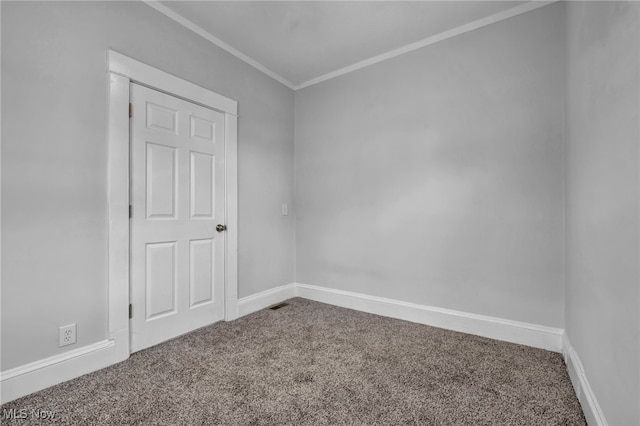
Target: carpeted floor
311	363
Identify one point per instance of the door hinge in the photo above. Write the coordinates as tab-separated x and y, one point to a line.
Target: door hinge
130	211
130	311
130	110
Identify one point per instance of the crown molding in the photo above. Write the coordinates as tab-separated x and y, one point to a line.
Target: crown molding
474	25
155	4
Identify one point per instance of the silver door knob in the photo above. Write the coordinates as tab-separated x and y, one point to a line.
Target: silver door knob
221	228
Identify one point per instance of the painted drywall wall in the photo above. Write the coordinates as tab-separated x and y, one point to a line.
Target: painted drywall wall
436	177
602	202
54	162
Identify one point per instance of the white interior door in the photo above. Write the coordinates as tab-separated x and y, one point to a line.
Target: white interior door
177	197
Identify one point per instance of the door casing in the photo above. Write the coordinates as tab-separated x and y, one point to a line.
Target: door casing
122	71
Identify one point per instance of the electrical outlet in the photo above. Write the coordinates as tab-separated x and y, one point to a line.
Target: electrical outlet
67	335
285	209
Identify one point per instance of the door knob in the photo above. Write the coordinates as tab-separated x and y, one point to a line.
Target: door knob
221	228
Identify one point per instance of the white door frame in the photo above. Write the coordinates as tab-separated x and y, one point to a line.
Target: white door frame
122	71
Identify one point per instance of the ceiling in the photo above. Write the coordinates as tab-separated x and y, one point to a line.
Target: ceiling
303	42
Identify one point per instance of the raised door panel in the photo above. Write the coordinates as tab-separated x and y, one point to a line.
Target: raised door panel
161	183
202	186
162	118
161	277
201	272
202	129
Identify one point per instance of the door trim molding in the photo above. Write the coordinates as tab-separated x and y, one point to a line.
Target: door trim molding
146	75
122	71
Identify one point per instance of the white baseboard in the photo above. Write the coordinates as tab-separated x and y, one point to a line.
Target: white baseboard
592	411
38	375
41	374
495	328
255	302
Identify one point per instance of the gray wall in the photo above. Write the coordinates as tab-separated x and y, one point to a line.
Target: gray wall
436	177
602	213
54	162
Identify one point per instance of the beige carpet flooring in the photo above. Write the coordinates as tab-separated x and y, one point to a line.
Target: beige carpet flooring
310	363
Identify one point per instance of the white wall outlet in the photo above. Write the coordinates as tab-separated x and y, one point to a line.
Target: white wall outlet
285	209
67	335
